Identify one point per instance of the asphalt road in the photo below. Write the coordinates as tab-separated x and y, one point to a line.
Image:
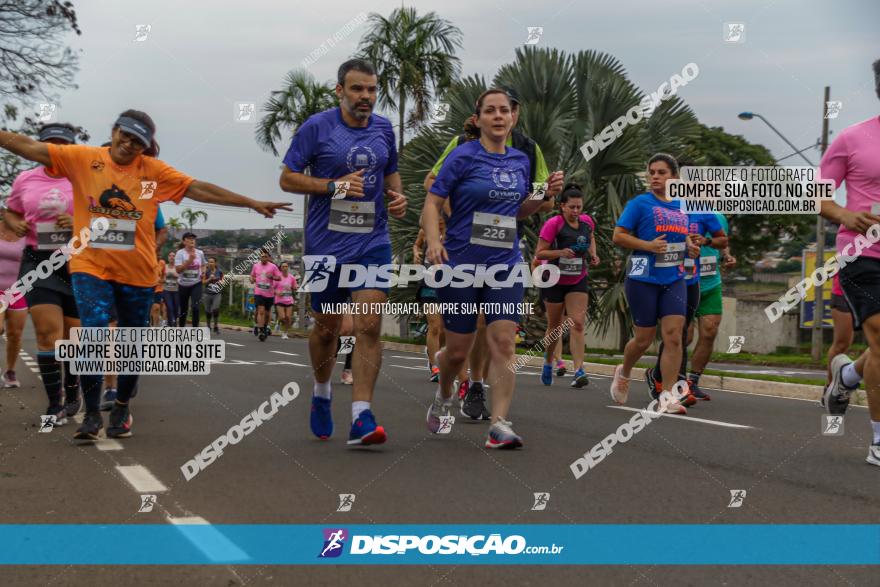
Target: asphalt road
677	470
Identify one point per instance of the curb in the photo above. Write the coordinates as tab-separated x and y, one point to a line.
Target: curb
724	383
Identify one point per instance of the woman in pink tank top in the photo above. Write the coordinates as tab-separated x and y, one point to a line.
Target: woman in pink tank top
13	318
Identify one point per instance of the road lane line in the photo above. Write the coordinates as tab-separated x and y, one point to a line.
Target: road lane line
233	343
108	444
416	358
687	418
209	540
283	353
141	479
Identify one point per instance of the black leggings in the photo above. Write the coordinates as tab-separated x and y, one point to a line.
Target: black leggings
693	302
190	296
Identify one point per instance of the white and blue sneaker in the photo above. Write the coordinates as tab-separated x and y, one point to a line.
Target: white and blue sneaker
501	435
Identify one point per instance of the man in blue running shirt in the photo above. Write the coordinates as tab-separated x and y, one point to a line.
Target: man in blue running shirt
352	158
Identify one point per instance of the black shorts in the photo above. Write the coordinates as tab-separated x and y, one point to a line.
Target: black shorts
265	301
838	302
860	282
43	295
158	298
556	294
280	305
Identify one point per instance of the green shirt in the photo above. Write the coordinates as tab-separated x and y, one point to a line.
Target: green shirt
541	171
709	282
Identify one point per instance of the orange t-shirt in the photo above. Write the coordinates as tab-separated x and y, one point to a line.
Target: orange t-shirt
160	276
101	188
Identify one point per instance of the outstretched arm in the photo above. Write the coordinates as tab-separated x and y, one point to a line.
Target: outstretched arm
26	147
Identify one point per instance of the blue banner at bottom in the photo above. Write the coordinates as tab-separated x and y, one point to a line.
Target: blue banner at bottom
476	544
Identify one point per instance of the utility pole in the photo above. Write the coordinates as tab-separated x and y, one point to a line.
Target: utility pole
819	304
279	227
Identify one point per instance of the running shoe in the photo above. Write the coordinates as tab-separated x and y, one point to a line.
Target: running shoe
9	379
262	336
72	406
347	378
547	374
688	399
365	431
560	368
216	329
256	330
321	419
501	435
91	426
474	402
673	406
486	414
580	378
435	374
439	408
874	454
697	392
108	399
284	336
654	387
619	386
120	422
836	395
60	415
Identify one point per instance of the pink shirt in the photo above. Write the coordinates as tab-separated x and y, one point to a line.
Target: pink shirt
284	289
40	198
263	274
854	158
548	233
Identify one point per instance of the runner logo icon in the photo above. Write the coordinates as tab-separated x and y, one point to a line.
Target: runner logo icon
832	425
541	500
47	423
346	500
737	497
318	269
334	542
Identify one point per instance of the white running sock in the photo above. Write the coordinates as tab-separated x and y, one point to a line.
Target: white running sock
849	375
322	390
876	427
357	408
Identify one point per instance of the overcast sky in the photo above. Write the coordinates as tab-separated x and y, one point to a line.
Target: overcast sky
201	57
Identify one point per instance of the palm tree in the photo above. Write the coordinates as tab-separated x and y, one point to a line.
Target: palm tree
413	56
174	225
566	100
191	217
300	97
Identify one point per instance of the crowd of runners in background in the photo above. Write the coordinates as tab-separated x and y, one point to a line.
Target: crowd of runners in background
488	182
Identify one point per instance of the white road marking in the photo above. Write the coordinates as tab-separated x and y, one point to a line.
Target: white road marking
687	418
107	443
422	368
210	541
283	353
233	343
416	358
141	479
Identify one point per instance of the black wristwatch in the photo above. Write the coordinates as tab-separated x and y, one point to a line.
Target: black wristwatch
331	188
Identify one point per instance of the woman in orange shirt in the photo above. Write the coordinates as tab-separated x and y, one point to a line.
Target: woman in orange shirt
119	188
